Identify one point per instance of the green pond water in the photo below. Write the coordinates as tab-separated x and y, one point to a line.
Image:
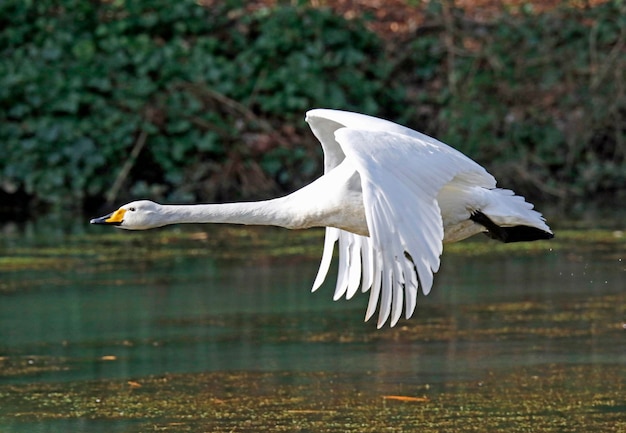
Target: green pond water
214	329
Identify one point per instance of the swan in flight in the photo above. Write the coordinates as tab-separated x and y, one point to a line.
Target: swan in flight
390	197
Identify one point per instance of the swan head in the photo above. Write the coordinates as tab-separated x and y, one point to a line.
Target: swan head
137	215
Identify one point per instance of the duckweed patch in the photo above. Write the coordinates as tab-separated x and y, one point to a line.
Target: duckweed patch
30	365
225	242
102	251
545	398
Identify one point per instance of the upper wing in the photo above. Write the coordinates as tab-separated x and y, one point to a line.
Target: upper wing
401	174
324	123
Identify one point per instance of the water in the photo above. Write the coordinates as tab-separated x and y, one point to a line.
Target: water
86	307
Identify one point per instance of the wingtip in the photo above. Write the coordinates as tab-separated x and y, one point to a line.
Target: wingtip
383	315
368	314
393	322
315	287
319	280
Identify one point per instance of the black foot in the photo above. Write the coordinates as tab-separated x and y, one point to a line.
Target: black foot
509	234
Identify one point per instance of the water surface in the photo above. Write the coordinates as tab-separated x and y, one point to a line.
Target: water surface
214	328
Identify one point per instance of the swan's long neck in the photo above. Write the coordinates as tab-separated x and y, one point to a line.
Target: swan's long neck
268	212
334	200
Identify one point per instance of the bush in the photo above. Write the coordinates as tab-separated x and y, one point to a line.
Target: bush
195	92
178	102
538	98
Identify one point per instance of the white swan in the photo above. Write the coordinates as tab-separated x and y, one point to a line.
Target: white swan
389	195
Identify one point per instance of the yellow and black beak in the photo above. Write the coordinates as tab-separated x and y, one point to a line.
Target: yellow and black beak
115	218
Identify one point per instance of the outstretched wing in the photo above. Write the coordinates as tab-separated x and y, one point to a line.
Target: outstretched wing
401	176
324	122
401	173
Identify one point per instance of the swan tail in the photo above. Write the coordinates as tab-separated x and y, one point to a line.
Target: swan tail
509	218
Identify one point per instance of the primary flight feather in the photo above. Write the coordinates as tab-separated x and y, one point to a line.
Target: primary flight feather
389	197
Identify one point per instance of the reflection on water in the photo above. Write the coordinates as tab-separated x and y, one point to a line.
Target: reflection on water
117	305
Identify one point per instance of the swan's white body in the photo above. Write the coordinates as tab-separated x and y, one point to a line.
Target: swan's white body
390	197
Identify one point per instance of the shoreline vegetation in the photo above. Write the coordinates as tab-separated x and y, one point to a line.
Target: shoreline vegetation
102	102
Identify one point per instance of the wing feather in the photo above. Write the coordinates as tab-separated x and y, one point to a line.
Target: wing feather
354	280
368	264
375	289
343	275
332	235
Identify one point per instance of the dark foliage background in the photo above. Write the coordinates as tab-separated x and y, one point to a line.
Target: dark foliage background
174	101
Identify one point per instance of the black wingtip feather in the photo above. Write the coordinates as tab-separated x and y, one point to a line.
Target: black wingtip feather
509	234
